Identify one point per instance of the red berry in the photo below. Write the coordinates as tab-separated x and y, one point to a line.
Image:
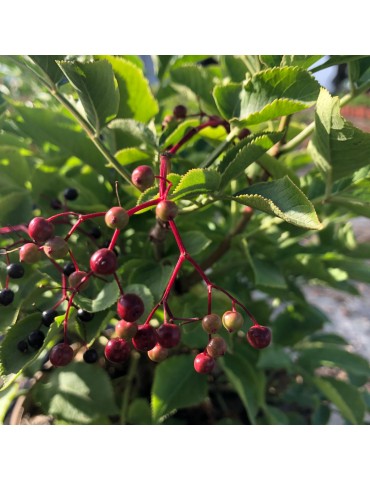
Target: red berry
29	253
143	177
232	321
117	350
40	229
166	210
244	132
76	278
203	363
145	338
211	323
61	355
103	262
169	335
116	217
130	307
56	247
158	353
259	336
216	347
126	330
180	112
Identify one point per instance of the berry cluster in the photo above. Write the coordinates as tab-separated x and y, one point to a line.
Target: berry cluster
143	337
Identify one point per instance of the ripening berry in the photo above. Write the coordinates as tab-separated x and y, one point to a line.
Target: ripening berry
216	347
117	350
56	248
117	218
232	321
40	229
61	355
211	323
103	262
203	363
29	253
76	278
166	210
126	330
259	336
169	335
145	338
158	353
143	177
130	307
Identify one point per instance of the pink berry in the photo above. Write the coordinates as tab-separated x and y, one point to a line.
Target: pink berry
116	217
126	330
61	355
117	350
143	177
158	353
103	262
169	335
130	307
29	253
40	229
259	336
145	338
203	363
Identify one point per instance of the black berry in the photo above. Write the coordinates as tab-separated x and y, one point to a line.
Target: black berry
91	356
48	317
84	315
15	270
95	232
6	296
56	204
70	194
36	339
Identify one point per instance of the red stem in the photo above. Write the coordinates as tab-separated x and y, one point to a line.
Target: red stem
178	238
150	203
114	239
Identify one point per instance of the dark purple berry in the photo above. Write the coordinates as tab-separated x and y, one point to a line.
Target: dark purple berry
36	339
40	229
22	346
95	232
91	356
48	317
259	336
56	204
70	194
145	338
84	315
15	270
117	350
130	307
169	335
68	269
180	112
103	262
6	296
203	363
61	355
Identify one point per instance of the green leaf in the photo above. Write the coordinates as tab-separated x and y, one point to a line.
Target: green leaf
97	89
245	380
136	98
197	79
337	60
302	61
337	147
344	396
283	199
356	268
274	357
235	67
49	65
6	399
195	182
107	295
128	156
332	356
176	385
177	134
139	412
275	416
195	241
78	393
233	167
268	94
134	133
295	323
